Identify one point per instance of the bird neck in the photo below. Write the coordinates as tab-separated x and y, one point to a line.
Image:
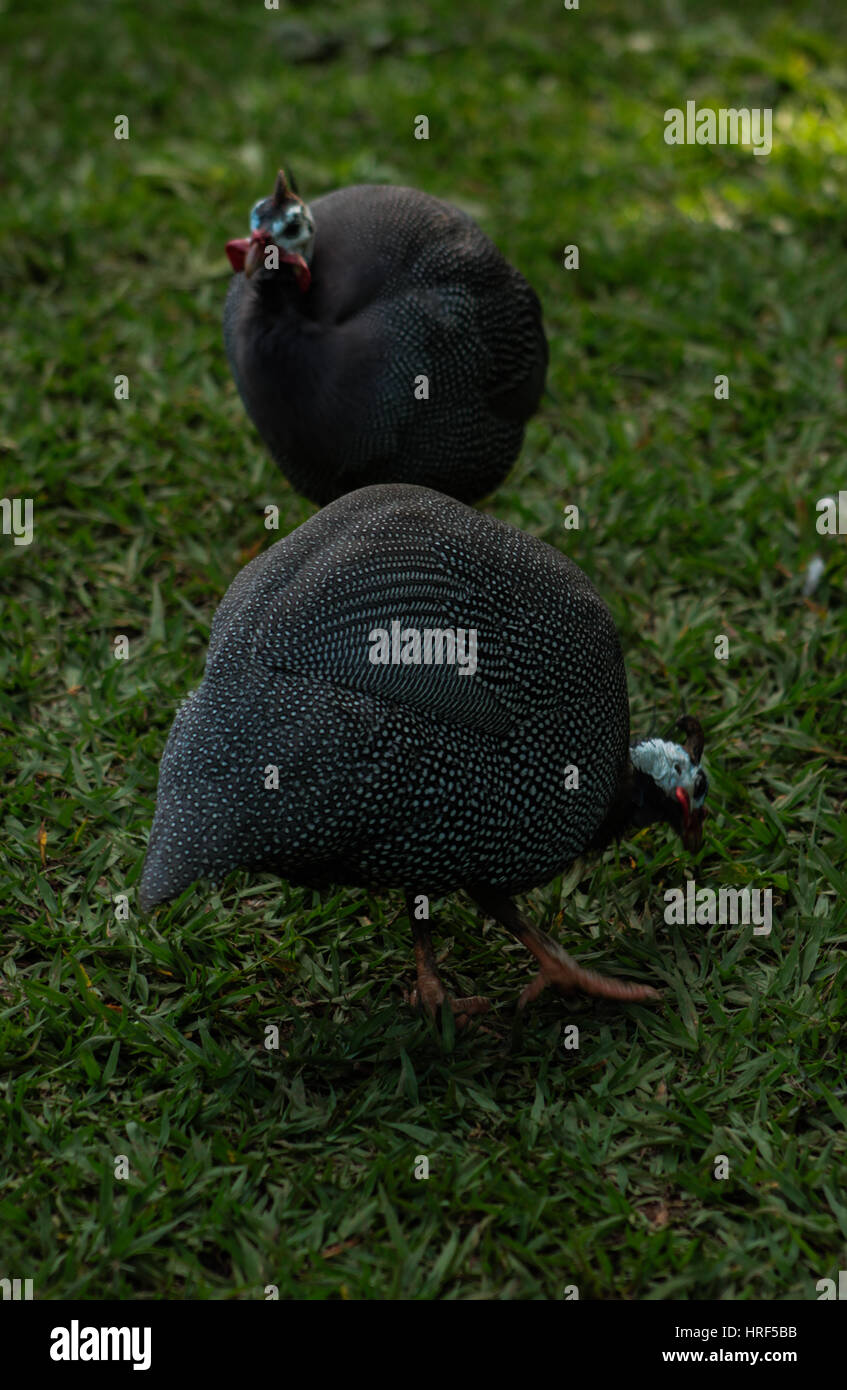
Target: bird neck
638	801
278	293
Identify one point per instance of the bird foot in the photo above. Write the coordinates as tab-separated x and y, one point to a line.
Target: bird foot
557	968
429	995
566	976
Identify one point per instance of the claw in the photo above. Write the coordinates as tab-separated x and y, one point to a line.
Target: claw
557	967
429	995
561	970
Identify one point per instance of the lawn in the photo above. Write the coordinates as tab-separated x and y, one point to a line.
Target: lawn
550	1166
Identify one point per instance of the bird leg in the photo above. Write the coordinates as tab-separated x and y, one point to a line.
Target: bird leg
557	967
429	990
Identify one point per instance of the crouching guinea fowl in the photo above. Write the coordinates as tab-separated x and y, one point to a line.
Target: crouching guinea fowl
378	336
398	695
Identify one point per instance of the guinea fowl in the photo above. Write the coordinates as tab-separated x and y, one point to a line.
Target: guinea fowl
378	336
405	693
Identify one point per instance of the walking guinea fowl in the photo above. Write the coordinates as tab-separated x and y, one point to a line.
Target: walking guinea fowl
391	343
323	745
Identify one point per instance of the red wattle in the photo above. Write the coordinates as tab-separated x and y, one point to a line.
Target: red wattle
302	271
237	252
682	797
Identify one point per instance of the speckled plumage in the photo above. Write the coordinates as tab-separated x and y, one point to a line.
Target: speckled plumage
409	776
403	285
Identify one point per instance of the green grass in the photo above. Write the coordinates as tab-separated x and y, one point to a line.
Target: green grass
144	1037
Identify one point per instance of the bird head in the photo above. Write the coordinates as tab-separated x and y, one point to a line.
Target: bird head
670	784
283	220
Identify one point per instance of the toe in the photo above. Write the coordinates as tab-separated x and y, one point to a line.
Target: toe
474	1004
533	989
